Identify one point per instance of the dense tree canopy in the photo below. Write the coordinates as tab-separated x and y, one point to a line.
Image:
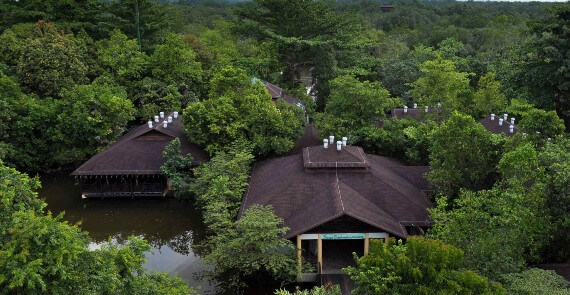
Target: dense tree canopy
240	108
421	266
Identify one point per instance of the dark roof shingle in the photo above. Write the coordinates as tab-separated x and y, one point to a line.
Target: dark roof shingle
385	195
140	151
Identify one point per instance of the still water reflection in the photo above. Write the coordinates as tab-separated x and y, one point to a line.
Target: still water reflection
170	226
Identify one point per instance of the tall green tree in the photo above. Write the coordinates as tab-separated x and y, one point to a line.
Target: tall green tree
421	266
90	117
501	229
253	248
463	155
488	98
238	108
50	61
353	105
177	167
544	71
556	161
442	83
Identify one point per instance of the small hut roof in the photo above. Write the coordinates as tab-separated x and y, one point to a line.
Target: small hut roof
140	151
277	92
310	189
493	126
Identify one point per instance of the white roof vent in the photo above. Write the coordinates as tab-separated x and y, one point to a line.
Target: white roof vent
169	119
150	124
405	109
338	145
512	120
505	116
331	139
165	124
344	140
326	143
161	115
156	118
415	105
512	129
427	109
175	115
492	117
500	122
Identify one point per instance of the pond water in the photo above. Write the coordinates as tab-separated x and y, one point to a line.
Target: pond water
170	226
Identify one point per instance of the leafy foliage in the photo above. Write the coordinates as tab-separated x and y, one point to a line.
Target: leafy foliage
50	61
536	281
462	155
353	105
442	83
178	168
421	266
502	228
324	290
253	246
238	109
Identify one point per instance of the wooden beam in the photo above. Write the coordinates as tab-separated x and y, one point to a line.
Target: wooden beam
320	253
299	254
366	244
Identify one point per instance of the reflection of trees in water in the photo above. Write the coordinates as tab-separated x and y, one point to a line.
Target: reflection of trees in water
181	243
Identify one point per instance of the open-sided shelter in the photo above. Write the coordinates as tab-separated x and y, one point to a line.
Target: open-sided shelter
131	166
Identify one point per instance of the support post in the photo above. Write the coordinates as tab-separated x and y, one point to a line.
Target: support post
299	256
366	244
320	253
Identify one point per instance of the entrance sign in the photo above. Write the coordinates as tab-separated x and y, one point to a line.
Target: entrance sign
347	236
344	236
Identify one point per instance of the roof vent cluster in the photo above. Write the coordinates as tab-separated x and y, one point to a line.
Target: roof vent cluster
415	106
339	143
504	120
166	121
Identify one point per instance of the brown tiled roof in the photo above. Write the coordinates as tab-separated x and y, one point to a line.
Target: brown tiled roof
140	151
493	126
386	194
278	93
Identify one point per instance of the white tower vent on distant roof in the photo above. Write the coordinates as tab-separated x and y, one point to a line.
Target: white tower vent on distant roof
492	117
512	129
161	115
175	115
156	118
331	139
344	140
427	109
150	124
338	145
326	143
415	105
169	119
405	109
500	122
165	124
512	120
505	117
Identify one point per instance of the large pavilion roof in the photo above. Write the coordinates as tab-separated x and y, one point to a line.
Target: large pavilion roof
320	185
139	151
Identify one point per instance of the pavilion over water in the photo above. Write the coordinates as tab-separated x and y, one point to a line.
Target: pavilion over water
131	166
